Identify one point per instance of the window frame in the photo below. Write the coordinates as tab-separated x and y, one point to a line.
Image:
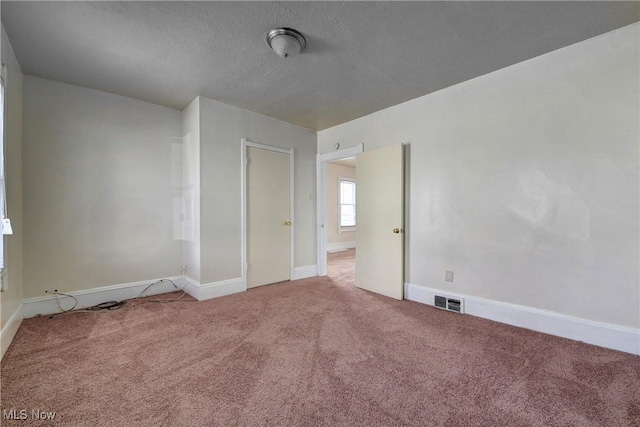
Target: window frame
346	228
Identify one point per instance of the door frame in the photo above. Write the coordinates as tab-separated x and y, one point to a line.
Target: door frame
321	171
246	144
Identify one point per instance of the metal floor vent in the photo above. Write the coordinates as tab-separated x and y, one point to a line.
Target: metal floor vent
448	303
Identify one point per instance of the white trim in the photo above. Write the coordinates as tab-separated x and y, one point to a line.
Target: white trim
192	287
207	291
304	272
245	143
90	297
348	229
321	171
616	337
340	246
243	213
267	147
10	329
341	154
292	202
321	235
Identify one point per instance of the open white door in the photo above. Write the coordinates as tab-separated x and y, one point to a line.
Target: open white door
379	221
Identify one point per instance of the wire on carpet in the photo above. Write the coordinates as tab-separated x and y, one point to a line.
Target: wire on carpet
114	305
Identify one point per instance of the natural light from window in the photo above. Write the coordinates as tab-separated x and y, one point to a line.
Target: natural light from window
347	203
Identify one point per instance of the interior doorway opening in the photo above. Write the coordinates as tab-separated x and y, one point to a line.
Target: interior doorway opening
336	188
341	267
340	205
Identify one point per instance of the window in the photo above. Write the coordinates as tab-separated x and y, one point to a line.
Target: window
347	204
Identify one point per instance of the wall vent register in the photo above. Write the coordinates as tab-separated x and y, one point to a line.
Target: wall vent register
448	303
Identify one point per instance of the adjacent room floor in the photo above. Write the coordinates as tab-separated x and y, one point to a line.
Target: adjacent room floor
315	352
341	266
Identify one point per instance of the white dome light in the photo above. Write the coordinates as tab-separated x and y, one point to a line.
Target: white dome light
286	42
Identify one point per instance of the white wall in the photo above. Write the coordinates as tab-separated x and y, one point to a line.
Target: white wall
11	299
121	191
221	129
98	190
525	181
191	189
333	173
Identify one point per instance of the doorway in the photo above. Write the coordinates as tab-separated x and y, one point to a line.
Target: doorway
324	222
341	267
268	214
340	211
380	218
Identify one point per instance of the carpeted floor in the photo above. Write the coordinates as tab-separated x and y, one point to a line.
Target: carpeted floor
316	352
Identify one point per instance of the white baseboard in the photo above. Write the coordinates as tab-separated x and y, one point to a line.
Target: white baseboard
90	297
9	330
340	246
616	337
304	272
206	291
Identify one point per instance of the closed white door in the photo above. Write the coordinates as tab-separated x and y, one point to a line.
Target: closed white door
268	222
379	221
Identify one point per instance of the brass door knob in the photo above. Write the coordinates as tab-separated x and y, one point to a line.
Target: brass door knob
287	223
397	230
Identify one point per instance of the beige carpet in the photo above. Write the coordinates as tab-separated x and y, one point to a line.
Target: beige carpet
317	352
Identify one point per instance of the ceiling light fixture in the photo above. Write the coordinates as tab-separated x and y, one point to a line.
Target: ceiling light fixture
286	42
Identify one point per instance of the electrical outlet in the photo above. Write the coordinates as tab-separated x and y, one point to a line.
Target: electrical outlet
51	291
449	276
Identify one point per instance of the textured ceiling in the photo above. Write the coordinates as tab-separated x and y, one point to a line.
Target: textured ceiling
361	57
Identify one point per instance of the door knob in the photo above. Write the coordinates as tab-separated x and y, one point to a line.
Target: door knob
398	230
287	223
